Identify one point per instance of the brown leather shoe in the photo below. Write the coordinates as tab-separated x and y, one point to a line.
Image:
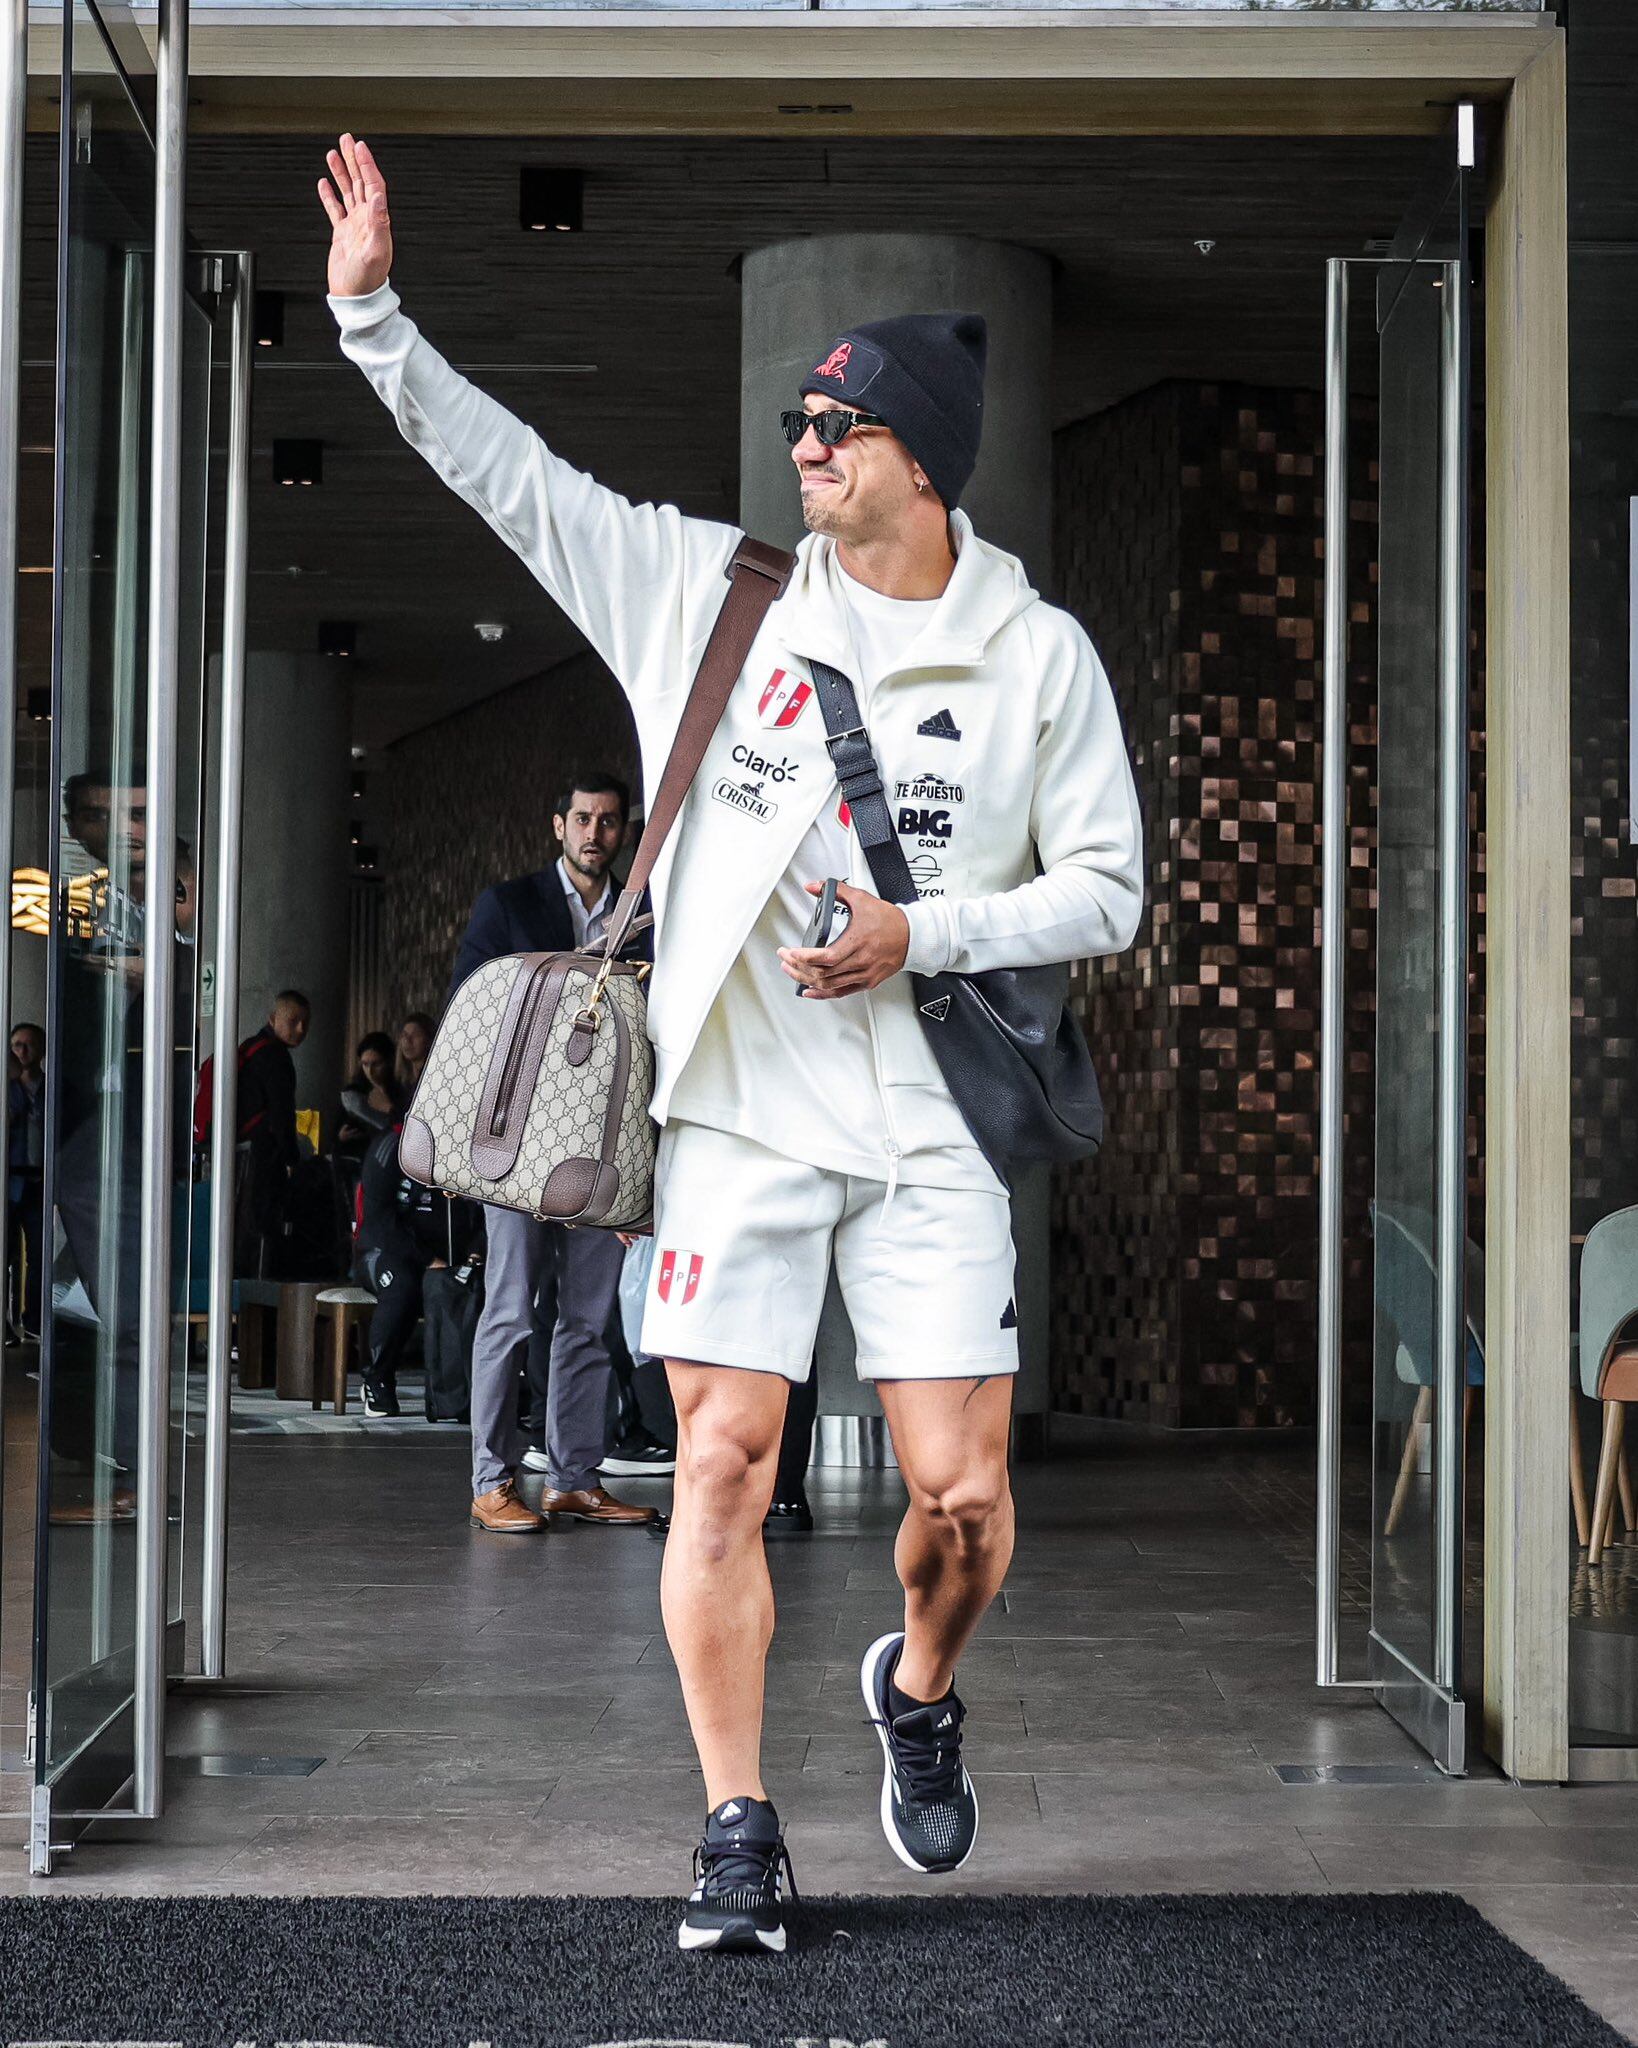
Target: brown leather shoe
594	1504
503	1514
120	1506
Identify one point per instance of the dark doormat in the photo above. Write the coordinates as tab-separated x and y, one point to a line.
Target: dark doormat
1177	1972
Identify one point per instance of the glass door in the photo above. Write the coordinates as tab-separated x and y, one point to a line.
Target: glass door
123	896
1410	309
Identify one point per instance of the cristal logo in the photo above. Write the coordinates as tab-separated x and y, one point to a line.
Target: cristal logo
746	798
835	364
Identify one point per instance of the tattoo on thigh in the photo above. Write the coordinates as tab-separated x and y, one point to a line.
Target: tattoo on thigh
982	1381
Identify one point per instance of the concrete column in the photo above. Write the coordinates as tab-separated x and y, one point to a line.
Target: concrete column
797	296
297	856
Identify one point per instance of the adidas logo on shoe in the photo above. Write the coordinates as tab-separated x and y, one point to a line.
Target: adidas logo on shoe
733	1811
946	1721
941	726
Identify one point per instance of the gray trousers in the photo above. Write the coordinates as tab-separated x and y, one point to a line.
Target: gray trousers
523	1255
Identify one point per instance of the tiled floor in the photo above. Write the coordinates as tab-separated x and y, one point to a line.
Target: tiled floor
501	1715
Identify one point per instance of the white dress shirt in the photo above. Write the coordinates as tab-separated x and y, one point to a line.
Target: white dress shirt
589	925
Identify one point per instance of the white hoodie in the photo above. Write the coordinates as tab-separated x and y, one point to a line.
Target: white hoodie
1003	697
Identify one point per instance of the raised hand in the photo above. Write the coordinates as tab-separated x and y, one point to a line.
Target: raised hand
361	238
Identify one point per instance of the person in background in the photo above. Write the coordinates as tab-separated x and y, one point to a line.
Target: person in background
267	1105
414	1043
372	1100
405	1232
556	910
25	1178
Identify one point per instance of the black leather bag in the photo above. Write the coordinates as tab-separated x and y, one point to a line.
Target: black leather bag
1011	1053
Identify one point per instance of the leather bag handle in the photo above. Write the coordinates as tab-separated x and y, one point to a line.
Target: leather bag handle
757	575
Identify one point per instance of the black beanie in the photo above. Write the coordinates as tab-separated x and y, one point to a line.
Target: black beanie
924	374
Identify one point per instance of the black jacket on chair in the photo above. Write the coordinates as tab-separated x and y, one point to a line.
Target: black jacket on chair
529	914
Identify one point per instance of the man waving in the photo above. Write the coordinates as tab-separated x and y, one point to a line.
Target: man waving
805	1121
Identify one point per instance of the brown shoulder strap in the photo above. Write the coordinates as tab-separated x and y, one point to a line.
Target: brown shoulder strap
757	575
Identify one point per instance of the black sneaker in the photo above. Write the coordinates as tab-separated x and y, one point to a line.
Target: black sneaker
380	1401
788	1518
929	1807
735	1902
645	1454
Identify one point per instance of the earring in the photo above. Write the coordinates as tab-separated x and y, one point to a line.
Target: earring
921	485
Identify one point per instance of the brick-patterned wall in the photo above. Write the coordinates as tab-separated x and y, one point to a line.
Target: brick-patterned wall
1116	1307
1603	862
1188	543
1188	533
469	802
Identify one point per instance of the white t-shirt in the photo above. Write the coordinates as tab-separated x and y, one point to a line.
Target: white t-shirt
799	1075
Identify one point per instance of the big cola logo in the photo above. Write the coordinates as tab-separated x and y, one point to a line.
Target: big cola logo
924	808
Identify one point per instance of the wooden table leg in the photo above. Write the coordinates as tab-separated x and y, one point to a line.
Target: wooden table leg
340	1327
252	1345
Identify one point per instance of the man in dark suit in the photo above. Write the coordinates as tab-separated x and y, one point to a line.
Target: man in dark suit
563	907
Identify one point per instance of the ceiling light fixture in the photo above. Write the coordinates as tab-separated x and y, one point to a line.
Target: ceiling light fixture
489	631
550	199
267	319
338	637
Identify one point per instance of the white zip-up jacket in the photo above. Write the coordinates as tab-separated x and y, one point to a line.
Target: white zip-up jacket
1040	760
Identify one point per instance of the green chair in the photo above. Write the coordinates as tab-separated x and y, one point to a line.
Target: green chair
1604	1360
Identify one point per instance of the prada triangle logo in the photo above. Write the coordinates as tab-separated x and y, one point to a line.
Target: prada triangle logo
941	726
938	1009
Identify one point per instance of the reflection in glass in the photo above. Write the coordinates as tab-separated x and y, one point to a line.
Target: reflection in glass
96	901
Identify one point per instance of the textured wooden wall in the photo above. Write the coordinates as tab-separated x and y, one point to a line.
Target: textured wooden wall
1186	1255
469	802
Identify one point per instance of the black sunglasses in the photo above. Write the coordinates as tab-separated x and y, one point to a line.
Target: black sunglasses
832	427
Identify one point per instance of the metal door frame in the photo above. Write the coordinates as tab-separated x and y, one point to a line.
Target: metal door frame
86	1788
1428	1704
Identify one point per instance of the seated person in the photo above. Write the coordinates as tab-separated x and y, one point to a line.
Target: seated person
405	1231
372	1100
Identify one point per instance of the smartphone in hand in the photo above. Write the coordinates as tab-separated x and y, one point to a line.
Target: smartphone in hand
822	918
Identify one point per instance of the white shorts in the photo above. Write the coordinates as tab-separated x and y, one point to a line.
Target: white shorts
743	1243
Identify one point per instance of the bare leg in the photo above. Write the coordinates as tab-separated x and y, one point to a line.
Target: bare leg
950	1437
715	1592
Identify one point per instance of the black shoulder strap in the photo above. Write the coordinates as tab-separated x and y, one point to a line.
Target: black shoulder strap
861	784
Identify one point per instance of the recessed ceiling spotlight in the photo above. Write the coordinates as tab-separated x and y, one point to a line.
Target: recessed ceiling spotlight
550	199
1205	245
489	631
337	637
298	462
